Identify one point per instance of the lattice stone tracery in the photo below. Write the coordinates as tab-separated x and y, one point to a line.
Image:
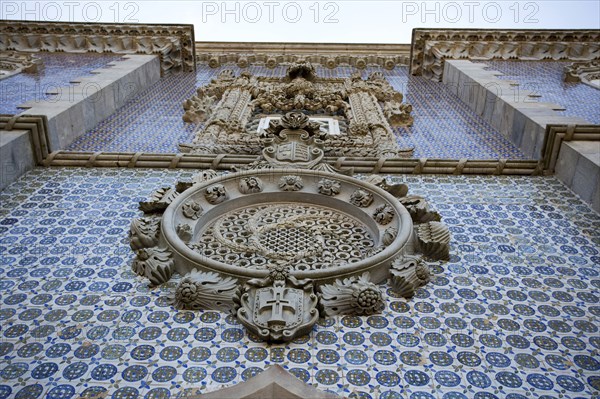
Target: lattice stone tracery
309	237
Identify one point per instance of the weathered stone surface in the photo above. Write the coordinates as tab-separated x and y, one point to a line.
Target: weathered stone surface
13	62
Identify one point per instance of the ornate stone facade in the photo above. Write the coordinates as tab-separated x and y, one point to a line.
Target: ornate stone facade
232	107
430	47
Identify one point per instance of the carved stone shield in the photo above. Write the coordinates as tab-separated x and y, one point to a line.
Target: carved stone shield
293	152
278	307
278	310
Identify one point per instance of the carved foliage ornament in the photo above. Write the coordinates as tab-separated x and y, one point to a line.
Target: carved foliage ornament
205	290
192	209
356	295
291	183
329	187
156	264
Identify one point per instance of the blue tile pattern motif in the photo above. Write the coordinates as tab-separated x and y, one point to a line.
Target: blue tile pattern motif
59	70
546	79
514	314
444	126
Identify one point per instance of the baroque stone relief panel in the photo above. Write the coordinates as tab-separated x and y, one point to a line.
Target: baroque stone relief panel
431	46
173	43
231	107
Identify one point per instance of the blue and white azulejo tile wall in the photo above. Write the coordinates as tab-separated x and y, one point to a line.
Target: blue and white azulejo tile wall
514	314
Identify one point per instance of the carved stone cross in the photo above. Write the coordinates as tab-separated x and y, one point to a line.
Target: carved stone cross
277	305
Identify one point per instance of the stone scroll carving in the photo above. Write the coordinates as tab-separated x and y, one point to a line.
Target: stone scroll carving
356	295
434	240
143	233
430	47
205	290
233	108
156	264
174	44
407	274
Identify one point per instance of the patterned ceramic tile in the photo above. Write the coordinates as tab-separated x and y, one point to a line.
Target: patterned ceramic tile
514	314
546	78
444	126
59	70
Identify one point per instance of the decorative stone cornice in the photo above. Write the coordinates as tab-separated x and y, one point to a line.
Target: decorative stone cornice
173	43
430	47
388	56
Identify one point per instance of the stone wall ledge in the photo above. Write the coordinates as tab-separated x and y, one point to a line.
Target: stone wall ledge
74	109
511	110
70	112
